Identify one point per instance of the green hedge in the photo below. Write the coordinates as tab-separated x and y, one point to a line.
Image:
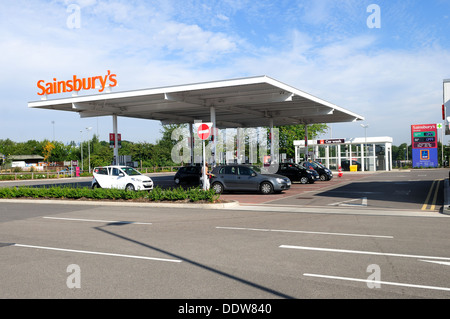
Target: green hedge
157	194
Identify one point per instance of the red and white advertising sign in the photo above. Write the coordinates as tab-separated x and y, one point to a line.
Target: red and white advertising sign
112	139
204	131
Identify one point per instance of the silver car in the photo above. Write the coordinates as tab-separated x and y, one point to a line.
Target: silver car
247	178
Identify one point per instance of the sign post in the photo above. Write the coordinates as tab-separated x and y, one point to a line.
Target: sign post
203	132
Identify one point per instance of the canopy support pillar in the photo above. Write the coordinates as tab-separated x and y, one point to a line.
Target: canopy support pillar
214	137
116	141
191	143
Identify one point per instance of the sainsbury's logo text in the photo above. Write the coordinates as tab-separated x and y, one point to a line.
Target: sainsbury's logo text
77	84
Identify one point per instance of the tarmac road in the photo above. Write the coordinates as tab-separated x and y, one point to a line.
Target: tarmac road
127	251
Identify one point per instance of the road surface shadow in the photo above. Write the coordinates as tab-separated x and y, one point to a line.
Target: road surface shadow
194	263
415	192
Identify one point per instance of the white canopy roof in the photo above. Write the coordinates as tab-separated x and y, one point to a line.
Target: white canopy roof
245	102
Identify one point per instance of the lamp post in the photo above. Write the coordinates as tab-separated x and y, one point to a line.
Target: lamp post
88	129
53	123
365	126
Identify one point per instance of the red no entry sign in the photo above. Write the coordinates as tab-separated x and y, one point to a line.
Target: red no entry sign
204	131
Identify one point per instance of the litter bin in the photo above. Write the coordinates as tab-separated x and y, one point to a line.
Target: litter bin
353	168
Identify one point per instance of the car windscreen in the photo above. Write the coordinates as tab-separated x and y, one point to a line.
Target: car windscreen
130	171
311	165
319	164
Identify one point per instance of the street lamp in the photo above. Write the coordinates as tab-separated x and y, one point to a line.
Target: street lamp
365	126
53	123
88	129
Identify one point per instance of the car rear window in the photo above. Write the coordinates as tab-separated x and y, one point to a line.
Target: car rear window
192	170
101	171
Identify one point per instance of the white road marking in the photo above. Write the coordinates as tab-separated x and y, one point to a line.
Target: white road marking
303	232
362	252
349	203
378	282
437	262
364	201
98	253
96	220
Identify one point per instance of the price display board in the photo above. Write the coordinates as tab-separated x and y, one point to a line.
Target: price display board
424	145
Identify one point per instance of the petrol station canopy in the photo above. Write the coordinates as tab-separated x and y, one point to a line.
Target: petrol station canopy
246	102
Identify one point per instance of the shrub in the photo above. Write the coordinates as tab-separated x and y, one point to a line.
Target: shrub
157	194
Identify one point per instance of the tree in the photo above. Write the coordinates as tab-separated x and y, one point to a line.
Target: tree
7	147
291	133
48	148
163	149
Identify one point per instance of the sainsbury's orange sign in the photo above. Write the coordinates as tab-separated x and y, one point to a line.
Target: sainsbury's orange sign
77	84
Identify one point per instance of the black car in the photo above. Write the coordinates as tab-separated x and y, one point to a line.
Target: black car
324	173
247	178
345	164
296	172
188	175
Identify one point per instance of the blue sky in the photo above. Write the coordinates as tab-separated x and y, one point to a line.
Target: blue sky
391	75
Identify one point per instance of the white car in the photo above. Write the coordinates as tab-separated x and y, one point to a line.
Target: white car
120	177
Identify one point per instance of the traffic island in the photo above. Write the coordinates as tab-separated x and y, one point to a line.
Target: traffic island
157	195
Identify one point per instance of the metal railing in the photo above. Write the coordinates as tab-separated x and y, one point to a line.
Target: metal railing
33	175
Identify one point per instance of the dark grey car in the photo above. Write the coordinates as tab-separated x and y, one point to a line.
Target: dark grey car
247	178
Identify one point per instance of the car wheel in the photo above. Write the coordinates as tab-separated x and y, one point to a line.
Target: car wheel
177	181
96	185
266	188
304	180
323	177
129	187
218	188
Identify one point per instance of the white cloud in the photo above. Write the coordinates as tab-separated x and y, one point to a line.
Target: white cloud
193	42
222	17
391	89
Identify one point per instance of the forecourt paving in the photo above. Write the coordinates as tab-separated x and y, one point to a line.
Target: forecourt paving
410	190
